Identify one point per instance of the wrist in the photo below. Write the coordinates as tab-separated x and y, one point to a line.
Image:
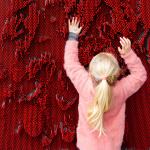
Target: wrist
73	36
128	53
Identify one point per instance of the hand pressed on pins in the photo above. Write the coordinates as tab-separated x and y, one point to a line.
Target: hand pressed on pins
74	26
126	45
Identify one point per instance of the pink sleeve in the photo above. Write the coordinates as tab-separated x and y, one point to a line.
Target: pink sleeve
138	75
74	70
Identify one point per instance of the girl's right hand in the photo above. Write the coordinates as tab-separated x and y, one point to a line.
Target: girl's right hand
126	45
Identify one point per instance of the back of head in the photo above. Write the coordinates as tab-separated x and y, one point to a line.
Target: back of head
104	69
104	65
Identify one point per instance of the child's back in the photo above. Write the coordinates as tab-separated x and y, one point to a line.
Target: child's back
114	119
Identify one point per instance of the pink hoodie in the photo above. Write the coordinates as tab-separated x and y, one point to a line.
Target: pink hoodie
114	119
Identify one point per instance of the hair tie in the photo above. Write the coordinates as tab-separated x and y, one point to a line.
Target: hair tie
103	78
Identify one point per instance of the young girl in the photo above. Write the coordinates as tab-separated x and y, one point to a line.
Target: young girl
101	96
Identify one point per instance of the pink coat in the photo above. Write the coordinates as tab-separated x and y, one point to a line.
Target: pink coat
114	119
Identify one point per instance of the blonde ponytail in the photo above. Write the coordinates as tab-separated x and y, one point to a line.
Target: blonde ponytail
99	105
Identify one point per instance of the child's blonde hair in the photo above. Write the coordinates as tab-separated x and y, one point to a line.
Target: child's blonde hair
103	64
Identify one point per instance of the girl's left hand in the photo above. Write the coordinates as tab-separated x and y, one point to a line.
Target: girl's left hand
74	25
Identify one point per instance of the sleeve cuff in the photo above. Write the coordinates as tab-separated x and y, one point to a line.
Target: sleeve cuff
73	36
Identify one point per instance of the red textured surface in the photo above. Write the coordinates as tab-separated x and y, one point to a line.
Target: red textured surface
39	105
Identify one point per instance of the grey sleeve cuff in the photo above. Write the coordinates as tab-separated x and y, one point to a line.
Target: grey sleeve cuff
73	36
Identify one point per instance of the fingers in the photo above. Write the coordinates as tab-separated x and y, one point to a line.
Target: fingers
72	21
78	22
124	41
129	42
122	44
80	29
75	21
119	49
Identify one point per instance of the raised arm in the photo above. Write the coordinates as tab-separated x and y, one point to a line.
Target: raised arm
138	75
74	70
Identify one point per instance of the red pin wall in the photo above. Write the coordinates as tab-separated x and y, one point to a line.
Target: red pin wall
38	102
